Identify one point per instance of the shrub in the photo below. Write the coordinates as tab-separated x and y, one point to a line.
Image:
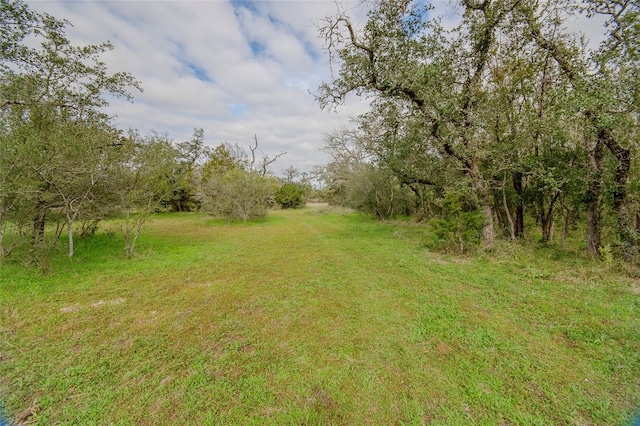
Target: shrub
290	196
458	229
376	191
237	195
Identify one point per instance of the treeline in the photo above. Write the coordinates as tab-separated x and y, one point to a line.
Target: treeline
64	167
507	116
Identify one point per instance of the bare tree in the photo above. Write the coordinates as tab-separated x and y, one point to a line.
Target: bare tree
266	160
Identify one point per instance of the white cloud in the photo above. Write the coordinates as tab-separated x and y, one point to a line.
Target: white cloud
233	68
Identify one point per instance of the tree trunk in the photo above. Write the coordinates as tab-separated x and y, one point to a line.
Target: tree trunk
512	227
70	220
565	228
500	217
70	235
127	234
39	222
519	218
547	228
628	234
547	217
594	226
488	231
569	216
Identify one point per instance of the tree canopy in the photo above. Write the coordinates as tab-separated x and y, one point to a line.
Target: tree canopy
56	141
510	101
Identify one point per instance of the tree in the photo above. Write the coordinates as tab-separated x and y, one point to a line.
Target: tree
290	174
186	177
141	180
223	159
376	191
231	186
507	101
262	166
605	94
76	184
53	132
238	195
406	60
290	195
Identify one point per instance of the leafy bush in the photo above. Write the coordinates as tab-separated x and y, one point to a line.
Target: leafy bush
290	196
376	191
238	195
458	229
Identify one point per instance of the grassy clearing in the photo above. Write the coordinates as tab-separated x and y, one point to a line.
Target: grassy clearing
313	317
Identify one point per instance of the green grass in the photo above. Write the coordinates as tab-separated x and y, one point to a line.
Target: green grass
316	318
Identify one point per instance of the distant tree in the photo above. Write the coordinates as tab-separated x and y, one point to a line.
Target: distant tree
223	159
140	181
233	188
291	174
238	195
348	151
187	174
261	165
376	191
290	195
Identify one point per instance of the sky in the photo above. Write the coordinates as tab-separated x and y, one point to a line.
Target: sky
233	68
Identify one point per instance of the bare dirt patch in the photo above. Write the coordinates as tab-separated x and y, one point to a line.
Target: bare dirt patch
75	307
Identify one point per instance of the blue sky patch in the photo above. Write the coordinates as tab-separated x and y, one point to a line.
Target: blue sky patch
237	109
257	48
198	71
251	6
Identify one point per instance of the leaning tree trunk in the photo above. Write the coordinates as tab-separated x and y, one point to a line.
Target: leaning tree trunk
594	189
510	225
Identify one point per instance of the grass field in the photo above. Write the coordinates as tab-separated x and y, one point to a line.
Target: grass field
313	317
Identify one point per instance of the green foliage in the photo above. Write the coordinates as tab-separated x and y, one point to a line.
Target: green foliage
223	159
56	143
377	192
607	254
141	180
238	195
185	177
290	196
459	228
509	100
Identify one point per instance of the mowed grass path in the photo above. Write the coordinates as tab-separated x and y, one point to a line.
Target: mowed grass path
313	318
